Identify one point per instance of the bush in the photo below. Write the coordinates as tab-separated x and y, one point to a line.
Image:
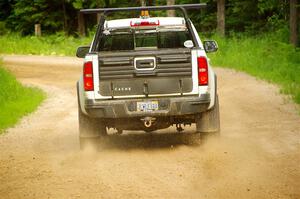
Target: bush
3	29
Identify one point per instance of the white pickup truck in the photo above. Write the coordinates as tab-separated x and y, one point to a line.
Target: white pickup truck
146	73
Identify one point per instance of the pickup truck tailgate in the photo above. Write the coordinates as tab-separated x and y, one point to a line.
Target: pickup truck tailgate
146	72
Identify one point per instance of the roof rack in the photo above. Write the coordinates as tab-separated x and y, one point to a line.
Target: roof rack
105	11
168	7
182	7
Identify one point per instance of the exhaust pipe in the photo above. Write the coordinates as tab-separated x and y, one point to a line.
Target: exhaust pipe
148	121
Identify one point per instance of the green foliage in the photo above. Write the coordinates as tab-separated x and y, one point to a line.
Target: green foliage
61	15
51	14
3	29
16	100
267	57
255	16
5	8
57	44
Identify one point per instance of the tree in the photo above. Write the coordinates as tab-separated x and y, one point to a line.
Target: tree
81	24
221	17
251	16
293	22
48	13
5	8
143	2
171	13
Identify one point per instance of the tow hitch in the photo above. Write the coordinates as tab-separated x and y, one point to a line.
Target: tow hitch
148	121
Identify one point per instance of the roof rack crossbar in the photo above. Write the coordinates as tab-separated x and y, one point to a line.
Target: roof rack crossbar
182	7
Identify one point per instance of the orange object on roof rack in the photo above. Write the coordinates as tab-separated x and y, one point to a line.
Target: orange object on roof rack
145	14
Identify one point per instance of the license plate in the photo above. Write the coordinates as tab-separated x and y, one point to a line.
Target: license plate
147	106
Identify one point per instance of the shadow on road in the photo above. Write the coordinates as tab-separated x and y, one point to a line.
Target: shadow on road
148	141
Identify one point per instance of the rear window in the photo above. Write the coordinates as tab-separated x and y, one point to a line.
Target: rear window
143	40
173	39
146	40
117	42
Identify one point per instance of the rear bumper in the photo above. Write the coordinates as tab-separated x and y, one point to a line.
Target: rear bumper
125	108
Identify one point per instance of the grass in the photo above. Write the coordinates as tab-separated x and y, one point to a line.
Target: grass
267	57
58	44
15	99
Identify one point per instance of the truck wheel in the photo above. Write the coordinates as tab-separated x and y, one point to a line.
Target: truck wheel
90	130
209	121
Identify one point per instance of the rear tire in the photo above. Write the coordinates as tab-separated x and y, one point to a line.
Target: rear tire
90	129
209	121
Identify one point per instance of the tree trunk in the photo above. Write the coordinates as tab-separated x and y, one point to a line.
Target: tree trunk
98	15
81	25
37	30
65	26
293	23
143	2
171	13
221	17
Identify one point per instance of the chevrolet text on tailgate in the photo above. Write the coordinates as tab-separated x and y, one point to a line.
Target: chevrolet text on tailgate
146	73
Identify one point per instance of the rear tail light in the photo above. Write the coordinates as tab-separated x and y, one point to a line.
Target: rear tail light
202	71
88	76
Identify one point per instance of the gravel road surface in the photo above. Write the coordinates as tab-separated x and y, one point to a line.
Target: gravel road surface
257	155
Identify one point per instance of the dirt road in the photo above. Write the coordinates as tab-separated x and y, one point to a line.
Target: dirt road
257	155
